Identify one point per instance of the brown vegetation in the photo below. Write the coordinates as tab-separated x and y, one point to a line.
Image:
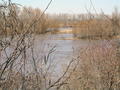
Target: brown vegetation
99	26
20	67
98	69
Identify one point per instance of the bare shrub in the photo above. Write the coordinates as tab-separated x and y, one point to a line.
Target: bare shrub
28	15
98	68
99	26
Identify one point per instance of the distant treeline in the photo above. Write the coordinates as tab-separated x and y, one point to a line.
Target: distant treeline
86	24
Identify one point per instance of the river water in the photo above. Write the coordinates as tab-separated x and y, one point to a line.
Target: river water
66	45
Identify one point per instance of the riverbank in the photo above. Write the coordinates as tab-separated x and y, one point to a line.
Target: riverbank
84	34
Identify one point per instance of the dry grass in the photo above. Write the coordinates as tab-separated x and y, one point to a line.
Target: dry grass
97	29
99	69
96	68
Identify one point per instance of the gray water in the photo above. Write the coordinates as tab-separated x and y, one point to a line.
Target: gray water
66	45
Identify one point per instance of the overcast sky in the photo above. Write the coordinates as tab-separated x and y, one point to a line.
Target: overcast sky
72	6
